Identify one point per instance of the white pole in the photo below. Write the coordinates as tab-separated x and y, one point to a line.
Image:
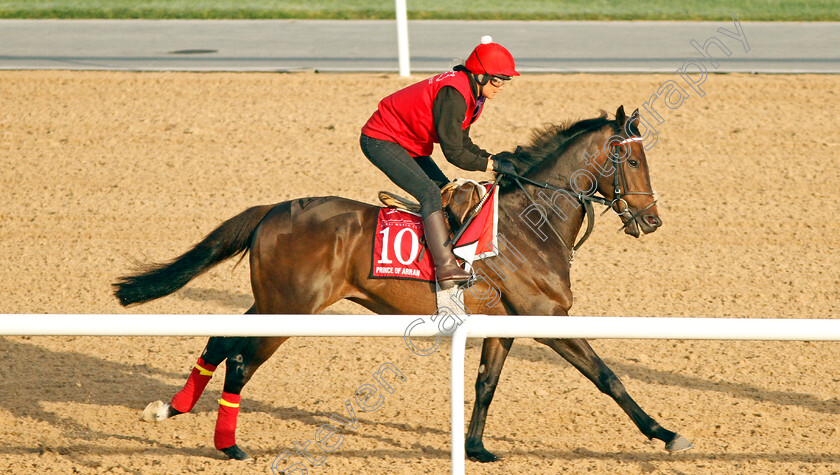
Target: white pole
456	381
402	38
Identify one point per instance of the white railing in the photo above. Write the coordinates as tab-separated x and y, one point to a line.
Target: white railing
210	325
474	326
517	326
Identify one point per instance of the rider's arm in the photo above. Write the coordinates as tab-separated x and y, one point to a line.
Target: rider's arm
448	112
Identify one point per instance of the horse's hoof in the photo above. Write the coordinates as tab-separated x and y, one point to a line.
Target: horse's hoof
481	455
155	412
678	444
235	453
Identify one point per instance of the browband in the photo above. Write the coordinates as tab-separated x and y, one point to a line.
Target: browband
628	140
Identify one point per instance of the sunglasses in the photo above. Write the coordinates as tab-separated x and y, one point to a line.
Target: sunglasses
496	81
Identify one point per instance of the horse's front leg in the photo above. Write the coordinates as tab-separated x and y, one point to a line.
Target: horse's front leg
494	351
583	357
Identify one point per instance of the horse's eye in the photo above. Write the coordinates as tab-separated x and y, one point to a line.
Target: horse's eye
633	163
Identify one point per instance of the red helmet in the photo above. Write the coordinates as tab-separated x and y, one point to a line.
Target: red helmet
491	58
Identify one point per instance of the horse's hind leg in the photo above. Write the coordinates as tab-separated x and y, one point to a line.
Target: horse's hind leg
493	354
217	349
241	365
583	357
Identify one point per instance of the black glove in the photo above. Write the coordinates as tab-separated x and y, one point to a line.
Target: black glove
503	165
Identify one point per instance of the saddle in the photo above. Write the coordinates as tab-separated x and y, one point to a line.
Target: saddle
460	198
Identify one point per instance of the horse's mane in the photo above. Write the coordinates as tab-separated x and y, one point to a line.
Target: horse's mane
551	141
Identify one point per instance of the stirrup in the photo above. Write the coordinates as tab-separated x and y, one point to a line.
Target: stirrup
448	284
474	279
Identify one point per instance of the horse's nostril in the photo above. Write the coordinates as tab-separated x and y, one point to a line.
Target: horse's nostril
654	221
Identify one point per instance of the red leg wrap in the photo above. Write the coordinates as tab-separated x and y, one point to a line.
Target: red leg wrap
186	398
226	423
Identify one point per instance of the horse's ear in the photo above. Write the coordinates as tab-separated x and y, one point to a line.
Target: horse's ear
632	124
620	117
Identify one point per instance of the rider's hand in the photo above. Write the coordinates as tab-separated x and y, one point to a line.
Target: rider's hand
502	164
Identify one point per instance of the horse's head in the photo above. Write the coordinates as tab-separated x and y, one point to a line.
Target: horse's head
592	156
623	177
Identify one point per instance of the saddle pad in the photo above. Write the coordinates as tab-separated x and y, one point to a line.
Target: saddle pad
398	252
397	249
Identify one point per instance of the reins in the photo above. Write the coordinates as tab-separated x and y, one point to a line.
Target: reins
585	200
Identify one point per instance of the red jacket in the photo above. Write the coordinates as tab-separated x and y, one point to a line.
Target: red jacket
405	117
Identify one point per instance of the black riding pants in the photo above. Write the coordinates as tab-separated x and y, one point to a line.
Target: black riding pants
419	176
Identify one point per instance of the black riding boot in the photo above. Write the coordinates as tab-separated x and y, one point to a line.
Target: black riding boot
447	270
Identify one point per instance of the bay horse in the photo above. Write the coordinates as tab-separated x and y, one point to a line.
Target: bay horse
308	253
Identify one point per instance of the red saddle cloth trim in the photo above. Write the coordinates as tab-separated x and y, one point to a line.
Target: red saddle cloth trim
397	253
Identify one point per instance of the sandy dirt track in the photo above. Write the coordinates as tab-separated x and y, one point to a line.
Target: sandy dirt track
100	169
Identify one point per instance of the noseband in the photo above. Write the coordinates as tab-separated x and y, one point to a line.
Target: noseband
619	182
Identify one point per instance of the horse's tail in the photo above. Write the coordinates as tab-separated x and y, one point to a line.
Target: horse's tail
153	281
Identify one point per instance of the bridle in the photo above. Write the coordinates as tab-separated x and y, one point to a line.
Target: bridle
619	183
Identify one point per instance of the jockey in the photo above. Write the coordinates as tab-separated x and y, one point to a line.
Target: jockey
400	135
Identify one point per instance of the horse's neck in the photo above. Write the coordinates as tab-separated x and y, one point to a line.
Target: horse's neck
561	169
563	212
536	221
